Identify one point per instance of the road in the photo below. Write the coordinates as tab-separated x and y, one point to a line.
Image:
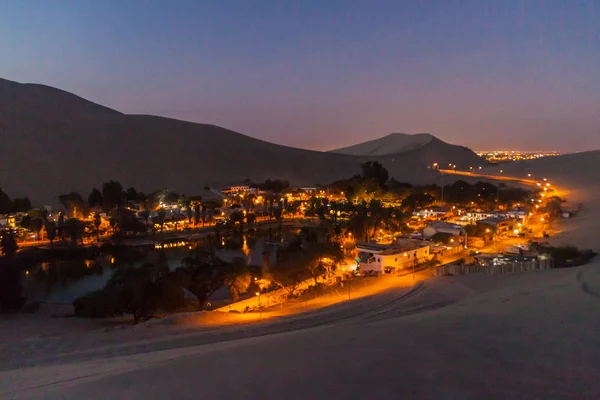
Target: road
532	182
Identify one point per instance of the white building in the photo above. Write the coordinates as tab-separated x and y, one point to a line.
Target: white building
435	212
403	253
240	189
474	216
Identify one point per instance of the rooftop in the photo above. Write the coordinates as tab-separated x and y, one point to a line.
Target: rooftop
444	225
493	220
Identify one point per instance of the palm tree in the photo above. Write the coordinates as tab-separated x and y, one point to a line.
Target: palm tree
76	228
161	218
50	231
97	223
113	223
37	225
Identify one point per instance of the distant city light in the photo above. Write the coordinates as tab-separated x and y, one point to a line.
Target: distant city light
514	155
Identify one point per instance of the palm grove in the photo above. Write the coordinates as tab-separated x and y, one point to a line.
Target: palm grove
365	205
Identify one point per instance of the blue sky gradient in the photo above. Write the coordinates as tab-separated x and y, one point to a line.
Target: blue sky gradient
325	74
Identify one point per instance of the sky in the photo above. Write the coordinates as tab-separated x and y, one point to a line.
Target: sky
322	74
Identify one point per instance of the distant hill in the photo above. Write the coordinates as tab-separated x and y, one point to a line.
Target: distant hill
53	142
400	143
391	144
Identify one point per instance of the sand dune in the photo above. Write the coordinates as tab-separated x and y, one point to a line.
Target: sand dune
578	174
530	335
393	143
53	142
475	336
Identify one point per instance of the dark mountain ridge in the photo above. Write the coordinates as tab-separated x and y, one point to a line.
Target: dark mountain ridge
53	142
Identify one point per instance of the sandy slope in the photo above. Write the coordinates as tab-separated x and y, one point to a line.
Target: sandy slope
532	335
528	335
53	142
579	175
393	143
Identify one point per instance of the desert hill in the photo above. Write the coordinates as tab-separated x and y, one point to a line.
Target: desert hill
576	175
52	142
391	144
400	143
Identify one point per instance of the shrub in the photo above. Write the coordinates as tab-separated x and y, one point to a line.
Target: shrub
102	303
568	256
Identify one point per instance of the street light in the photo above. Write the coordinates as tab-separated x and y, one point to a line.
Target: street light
259	307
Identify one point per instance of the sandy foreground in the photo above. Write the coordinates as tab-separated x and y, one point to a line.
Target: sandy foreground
529	335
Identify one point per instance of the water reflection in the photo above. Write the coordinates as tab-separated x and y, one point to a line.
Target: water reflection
62	281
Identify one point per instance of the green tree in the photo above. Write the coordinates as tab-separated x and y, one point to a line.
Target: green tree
95	198
250	218
146	216
197	213
441	238
112	194
36	226
237	278
75	229
374	170
8	244
128	222
25	222
113	223
278	214
237	217
6	204
21	204
50	231
73	203
97	223
131	195
161	218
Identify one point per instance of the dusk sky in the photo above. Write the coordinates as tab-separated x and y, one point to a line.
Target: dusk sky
325	74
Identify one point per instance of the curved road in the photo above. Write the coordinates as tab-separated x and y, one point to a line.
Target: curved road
494	177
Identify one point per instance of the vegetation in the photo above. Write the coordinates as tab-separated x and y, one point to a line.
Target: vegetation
151	288
441	238
308	255
8	206
565	256
8	244
11	293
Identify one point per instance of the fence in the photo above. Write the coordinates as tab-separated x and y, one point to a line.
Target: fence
452	269
266	299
